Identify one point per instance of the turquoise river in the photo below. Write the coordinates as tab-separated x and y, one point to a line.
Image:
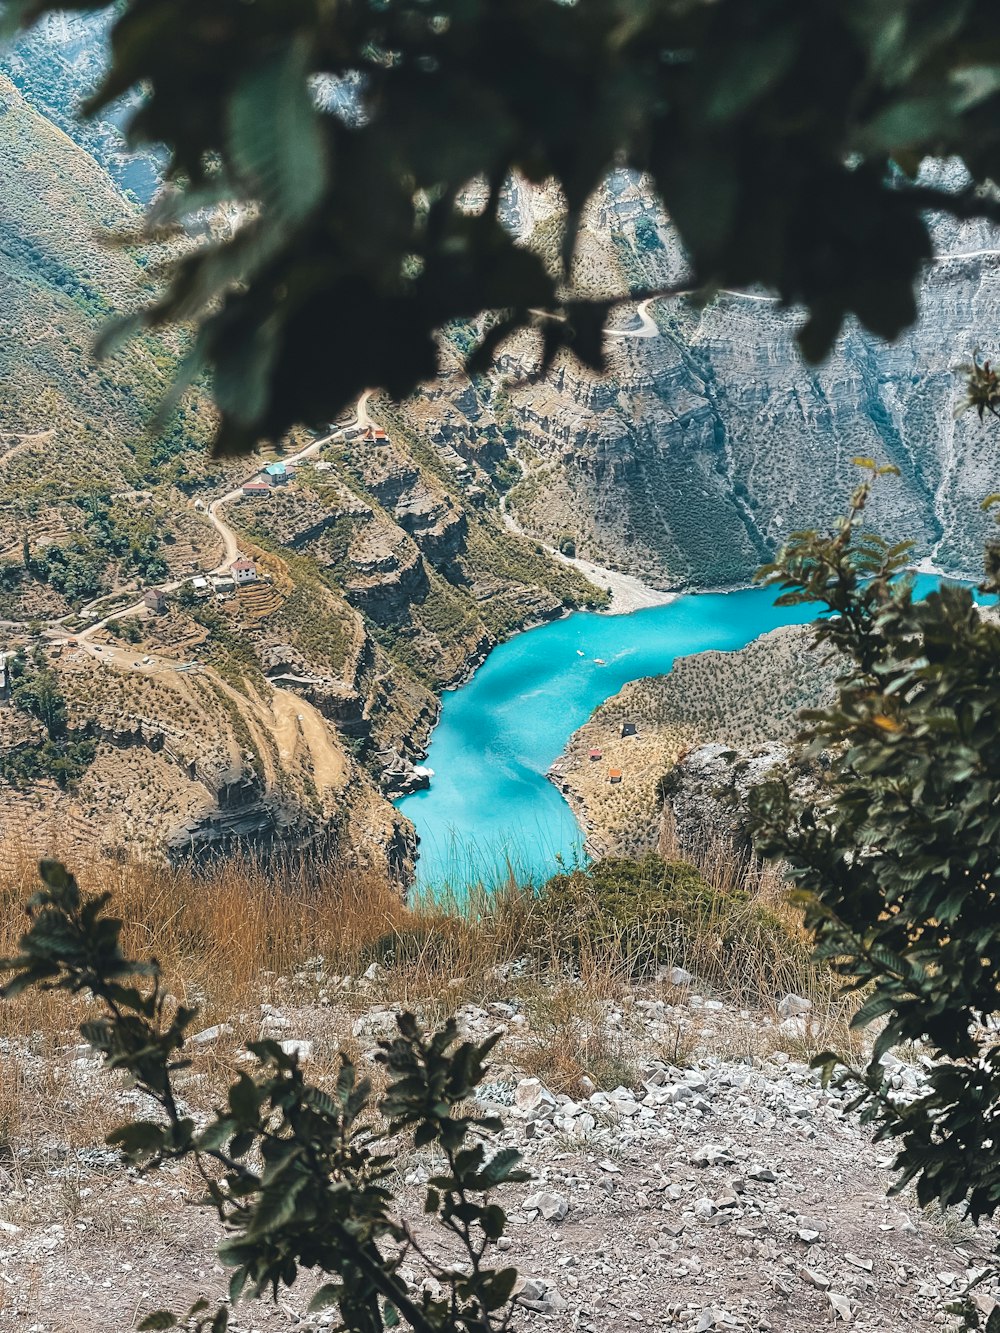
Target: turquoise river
489	810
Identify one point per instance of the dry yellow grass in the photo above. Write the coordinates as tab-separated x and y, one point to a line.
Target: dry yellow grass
246	933
224	937
220	935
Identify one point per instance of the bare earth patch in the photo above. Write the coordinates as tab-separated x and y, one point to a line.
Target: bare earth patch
724	1191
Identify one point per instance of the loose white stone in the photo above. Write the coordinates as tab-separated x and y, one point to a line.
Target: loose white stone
553	1207
211	1034
531	1094
793	1005
298	1047
841	1306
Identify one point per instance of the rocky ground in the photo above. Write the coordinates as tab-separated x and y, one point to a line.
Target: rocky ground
719	1188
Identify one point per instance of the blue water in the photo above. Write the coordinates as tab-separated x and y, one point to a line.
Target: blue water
489	811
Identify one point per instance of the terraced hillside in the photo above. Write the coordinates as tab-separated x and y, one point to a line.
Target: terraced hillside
147	702
57	65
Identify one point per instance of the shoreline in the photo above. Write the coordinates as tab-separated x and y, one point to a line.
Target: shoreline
556	775
628	595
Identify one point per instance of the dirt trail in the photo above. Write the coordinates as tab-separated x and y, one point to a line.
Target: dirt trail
329	764
259	722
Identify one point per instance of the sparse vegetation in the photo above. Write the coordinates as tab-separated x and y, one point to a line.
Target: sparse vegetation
60	754
300	1175
642	915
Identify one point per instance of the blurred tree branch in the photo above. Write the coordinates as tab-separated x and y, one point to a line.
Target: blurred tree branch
333	141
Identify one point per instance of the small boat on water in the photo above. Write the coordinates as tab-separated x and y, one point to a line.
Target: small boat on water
599	661
580	652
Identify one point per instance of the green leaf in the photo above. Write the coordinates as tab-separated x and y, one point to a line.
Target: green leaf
872	1009
274	133
498	1169
330	1293
275	1207
244	1101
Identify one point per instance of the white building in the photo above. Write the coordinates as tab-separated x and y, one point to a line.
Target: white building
243	571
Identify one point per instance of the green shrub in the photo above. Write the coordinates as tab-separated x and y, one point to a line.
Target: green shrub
895	859
642	915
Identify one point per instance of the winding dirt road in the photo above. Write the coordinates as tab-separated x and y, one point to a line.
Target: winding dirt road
230	541
648	328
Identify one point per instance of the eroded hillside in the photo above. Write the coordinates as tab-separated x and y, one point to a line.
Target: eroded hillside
197	656
708	440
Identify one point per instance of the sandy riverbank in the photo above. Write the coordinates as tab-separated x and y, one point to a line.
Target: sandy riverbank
627	592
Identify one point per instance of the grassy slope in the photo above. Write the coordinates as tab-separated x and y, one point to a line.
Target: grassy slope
58	285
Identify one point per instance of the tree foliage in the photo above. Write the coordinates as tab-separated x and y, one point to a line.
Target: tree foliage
318	153
897	860
300	1175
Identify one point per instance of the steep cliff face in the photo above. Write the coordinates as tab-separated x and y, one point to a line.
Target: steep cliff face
708	439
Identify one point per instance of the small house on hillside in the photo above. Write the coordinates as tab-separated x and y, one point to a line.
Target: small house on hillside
629	729
376	435
615	775
276	473
243	571
154	600
256	488
595	755
200	586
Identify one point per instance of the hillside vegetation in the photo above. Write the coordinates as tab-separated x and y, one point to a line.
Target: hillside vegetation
745	699
73	432
267	716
